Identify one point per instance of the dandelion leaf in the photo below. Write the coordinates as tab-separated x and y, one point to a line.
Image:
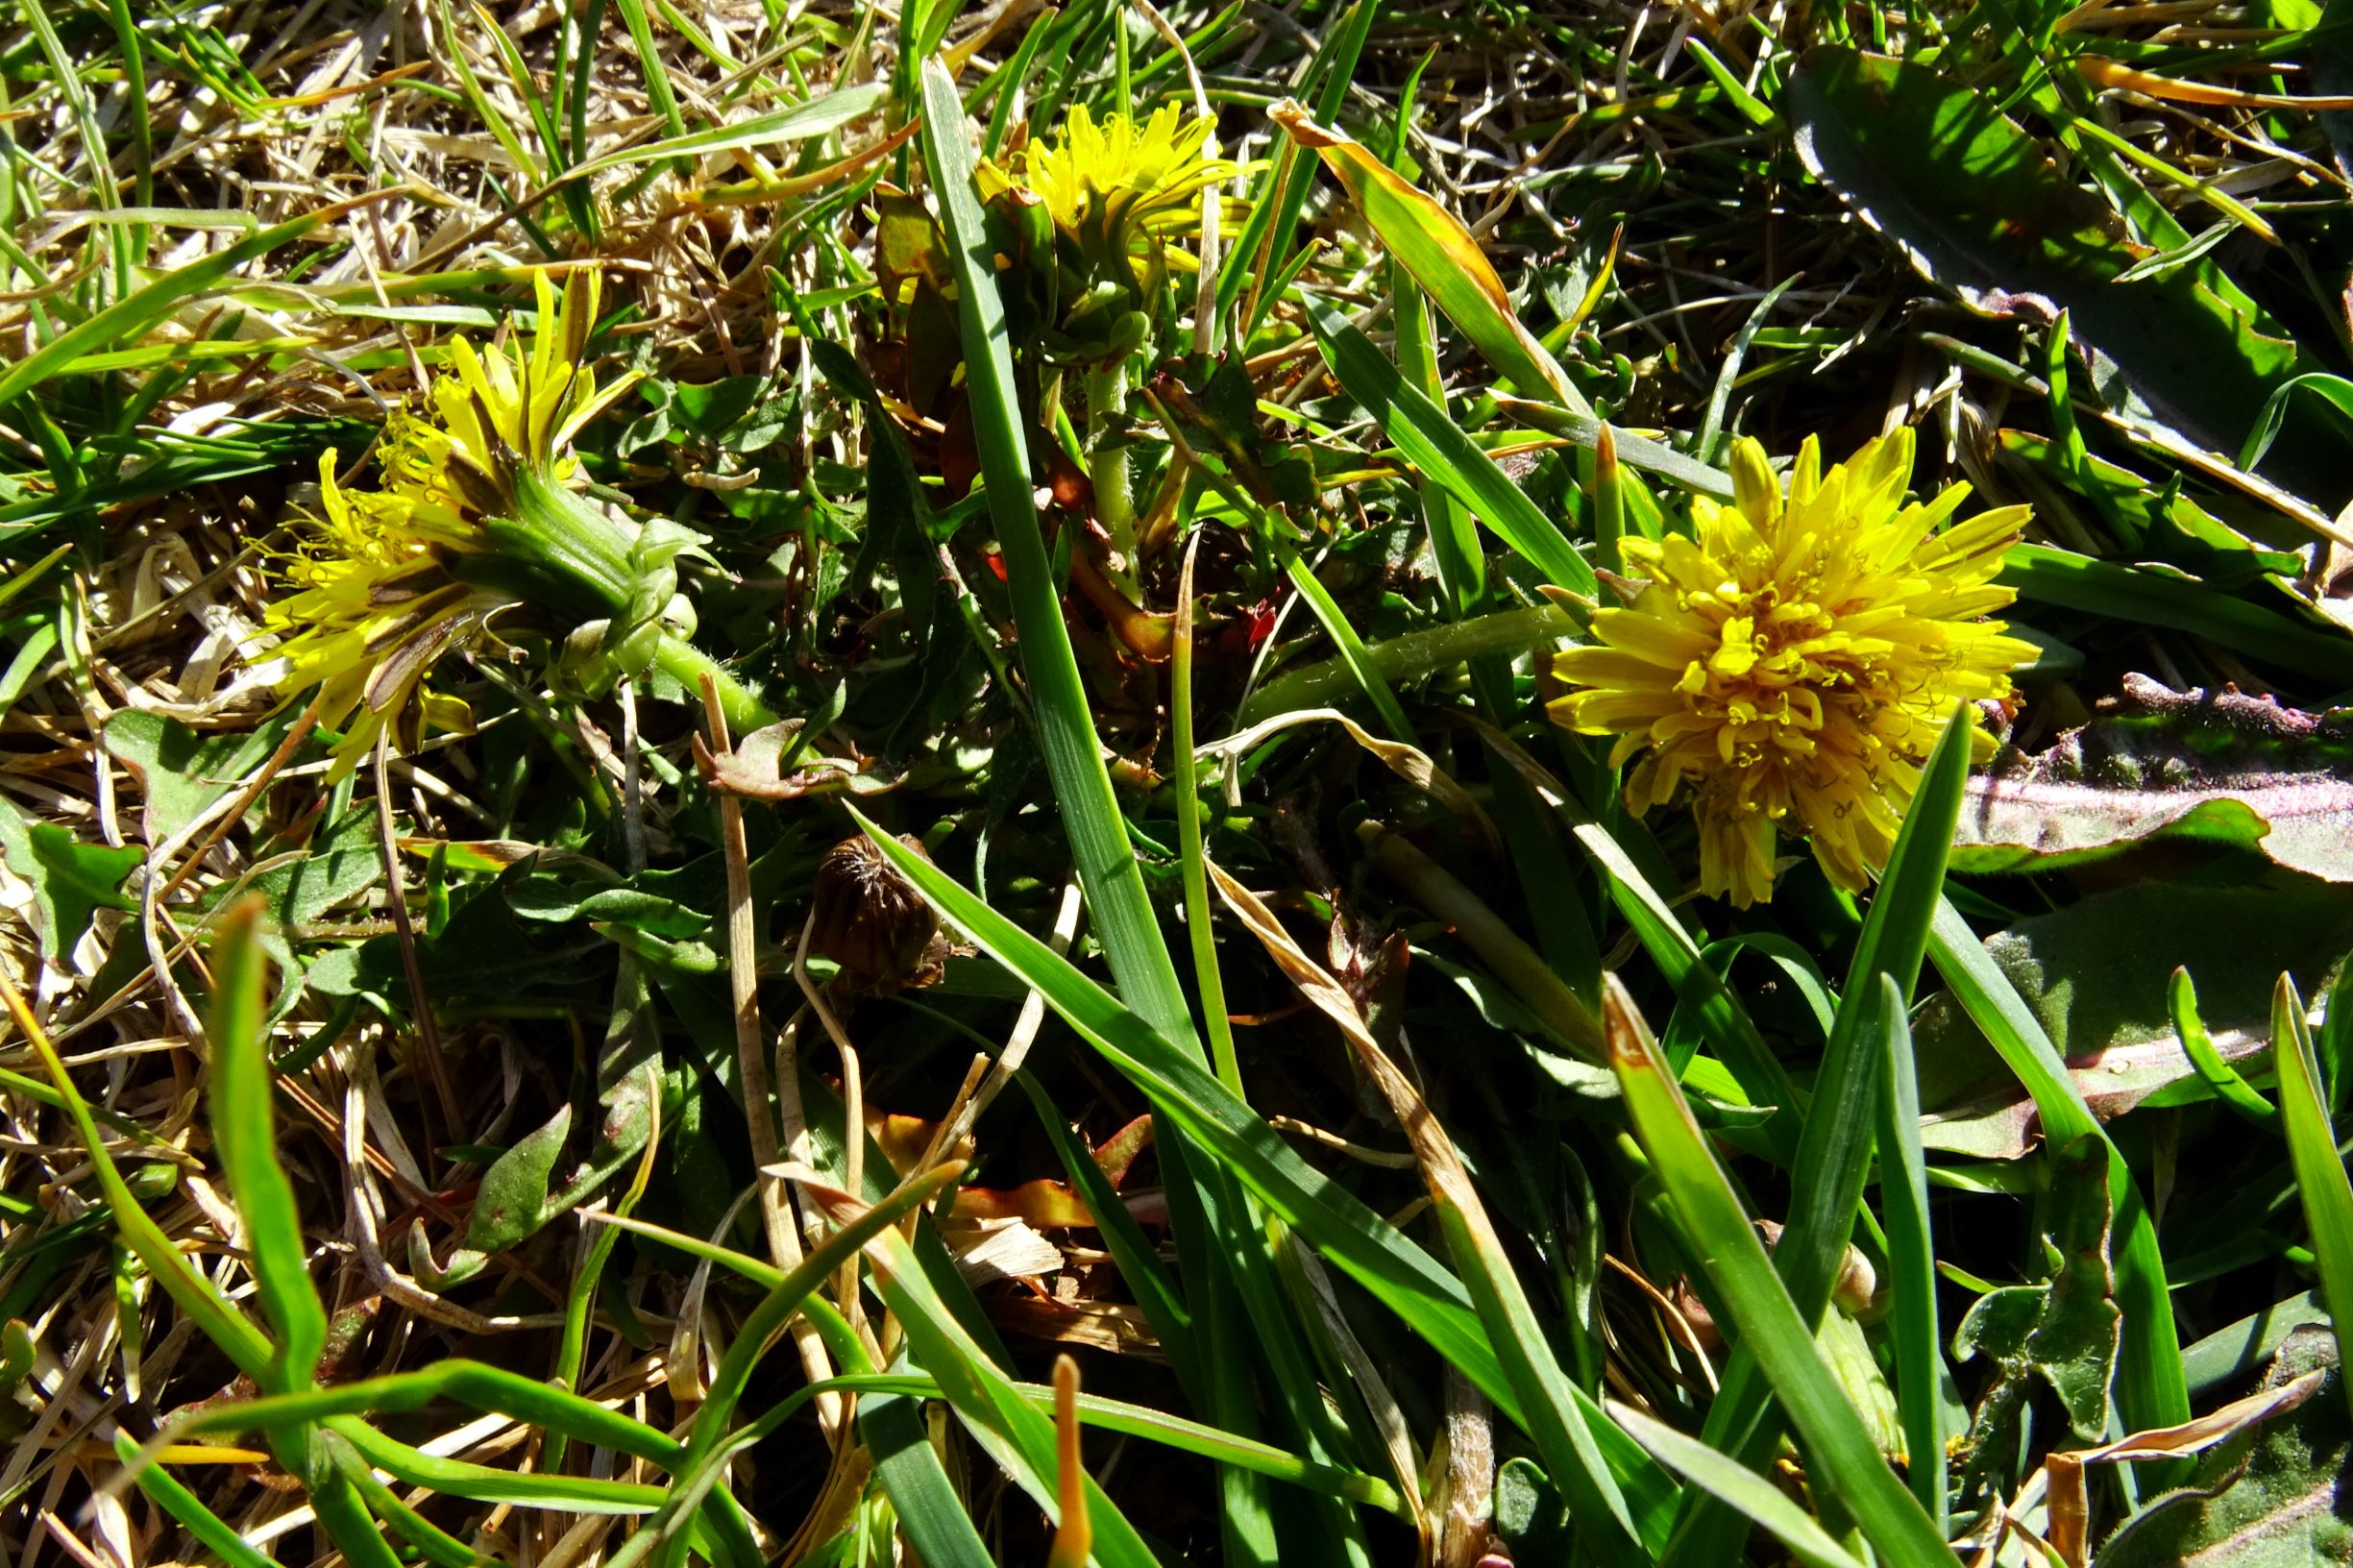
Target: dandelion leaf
2221	767
2063	1332
2271	1496
1979	207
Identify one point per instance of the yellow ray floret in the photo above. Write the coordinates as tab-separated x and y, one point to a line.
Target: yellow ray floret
385	581
1120	185
1795	659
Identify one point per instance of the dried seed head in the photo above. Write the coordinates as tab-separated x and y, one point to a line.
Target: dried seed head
872	921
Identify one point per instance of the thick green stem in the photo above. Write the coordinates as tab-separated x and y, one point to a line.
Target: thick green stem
1115	508
687	664
1405	660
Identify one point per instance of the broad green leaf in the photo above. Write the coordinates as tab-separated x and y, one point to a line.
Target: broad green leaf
2276	1497
183	773
2217	766
513	1201
1977	207
2096	976
2150	1389
70	880
1442	256
2063	1332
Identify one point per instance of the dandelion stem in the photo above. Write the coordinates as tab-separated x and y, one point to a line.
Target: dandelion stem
1107	464
686	664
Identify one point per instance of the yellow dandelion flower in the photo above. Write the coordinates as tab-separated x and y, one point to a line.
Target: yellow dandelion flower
1123	187
1795	660
476	515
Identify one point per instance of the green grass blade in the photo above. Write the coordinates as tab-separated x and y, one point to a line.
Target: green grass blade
244	1133
1737	1487
825	112
937	1520
1724	1022
1911	1254
1131	1249
2311	1148
489	1484
478	1384
229	1330
1432	244
1719	1234
1331	1220
1436	447
1199	934
126	318
1115	895
1335	621
1272	222
2188	1028
165	1491
1013	1431
2151	1390
1835	1148
2043	574
766	1323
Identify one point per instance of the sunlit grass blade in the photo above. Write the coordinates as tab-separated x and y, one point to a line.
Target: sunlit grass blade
938	1522
1335	621
2311	1148
1278	200
1328	1217
2150	1391
1131	1249
1115	897
1724	1022
229	1329
1737	1487
822	113
1438	250
188	1511
767	1322
244	1134
1834	1147
1560	1418
128	317
1435	445
2188	1028
1013	1431
1911	1253
1721	1237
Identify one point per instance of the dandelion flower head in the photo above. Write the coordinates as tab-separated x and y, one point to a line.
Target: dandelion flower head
1795	659
468	512
1121	186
